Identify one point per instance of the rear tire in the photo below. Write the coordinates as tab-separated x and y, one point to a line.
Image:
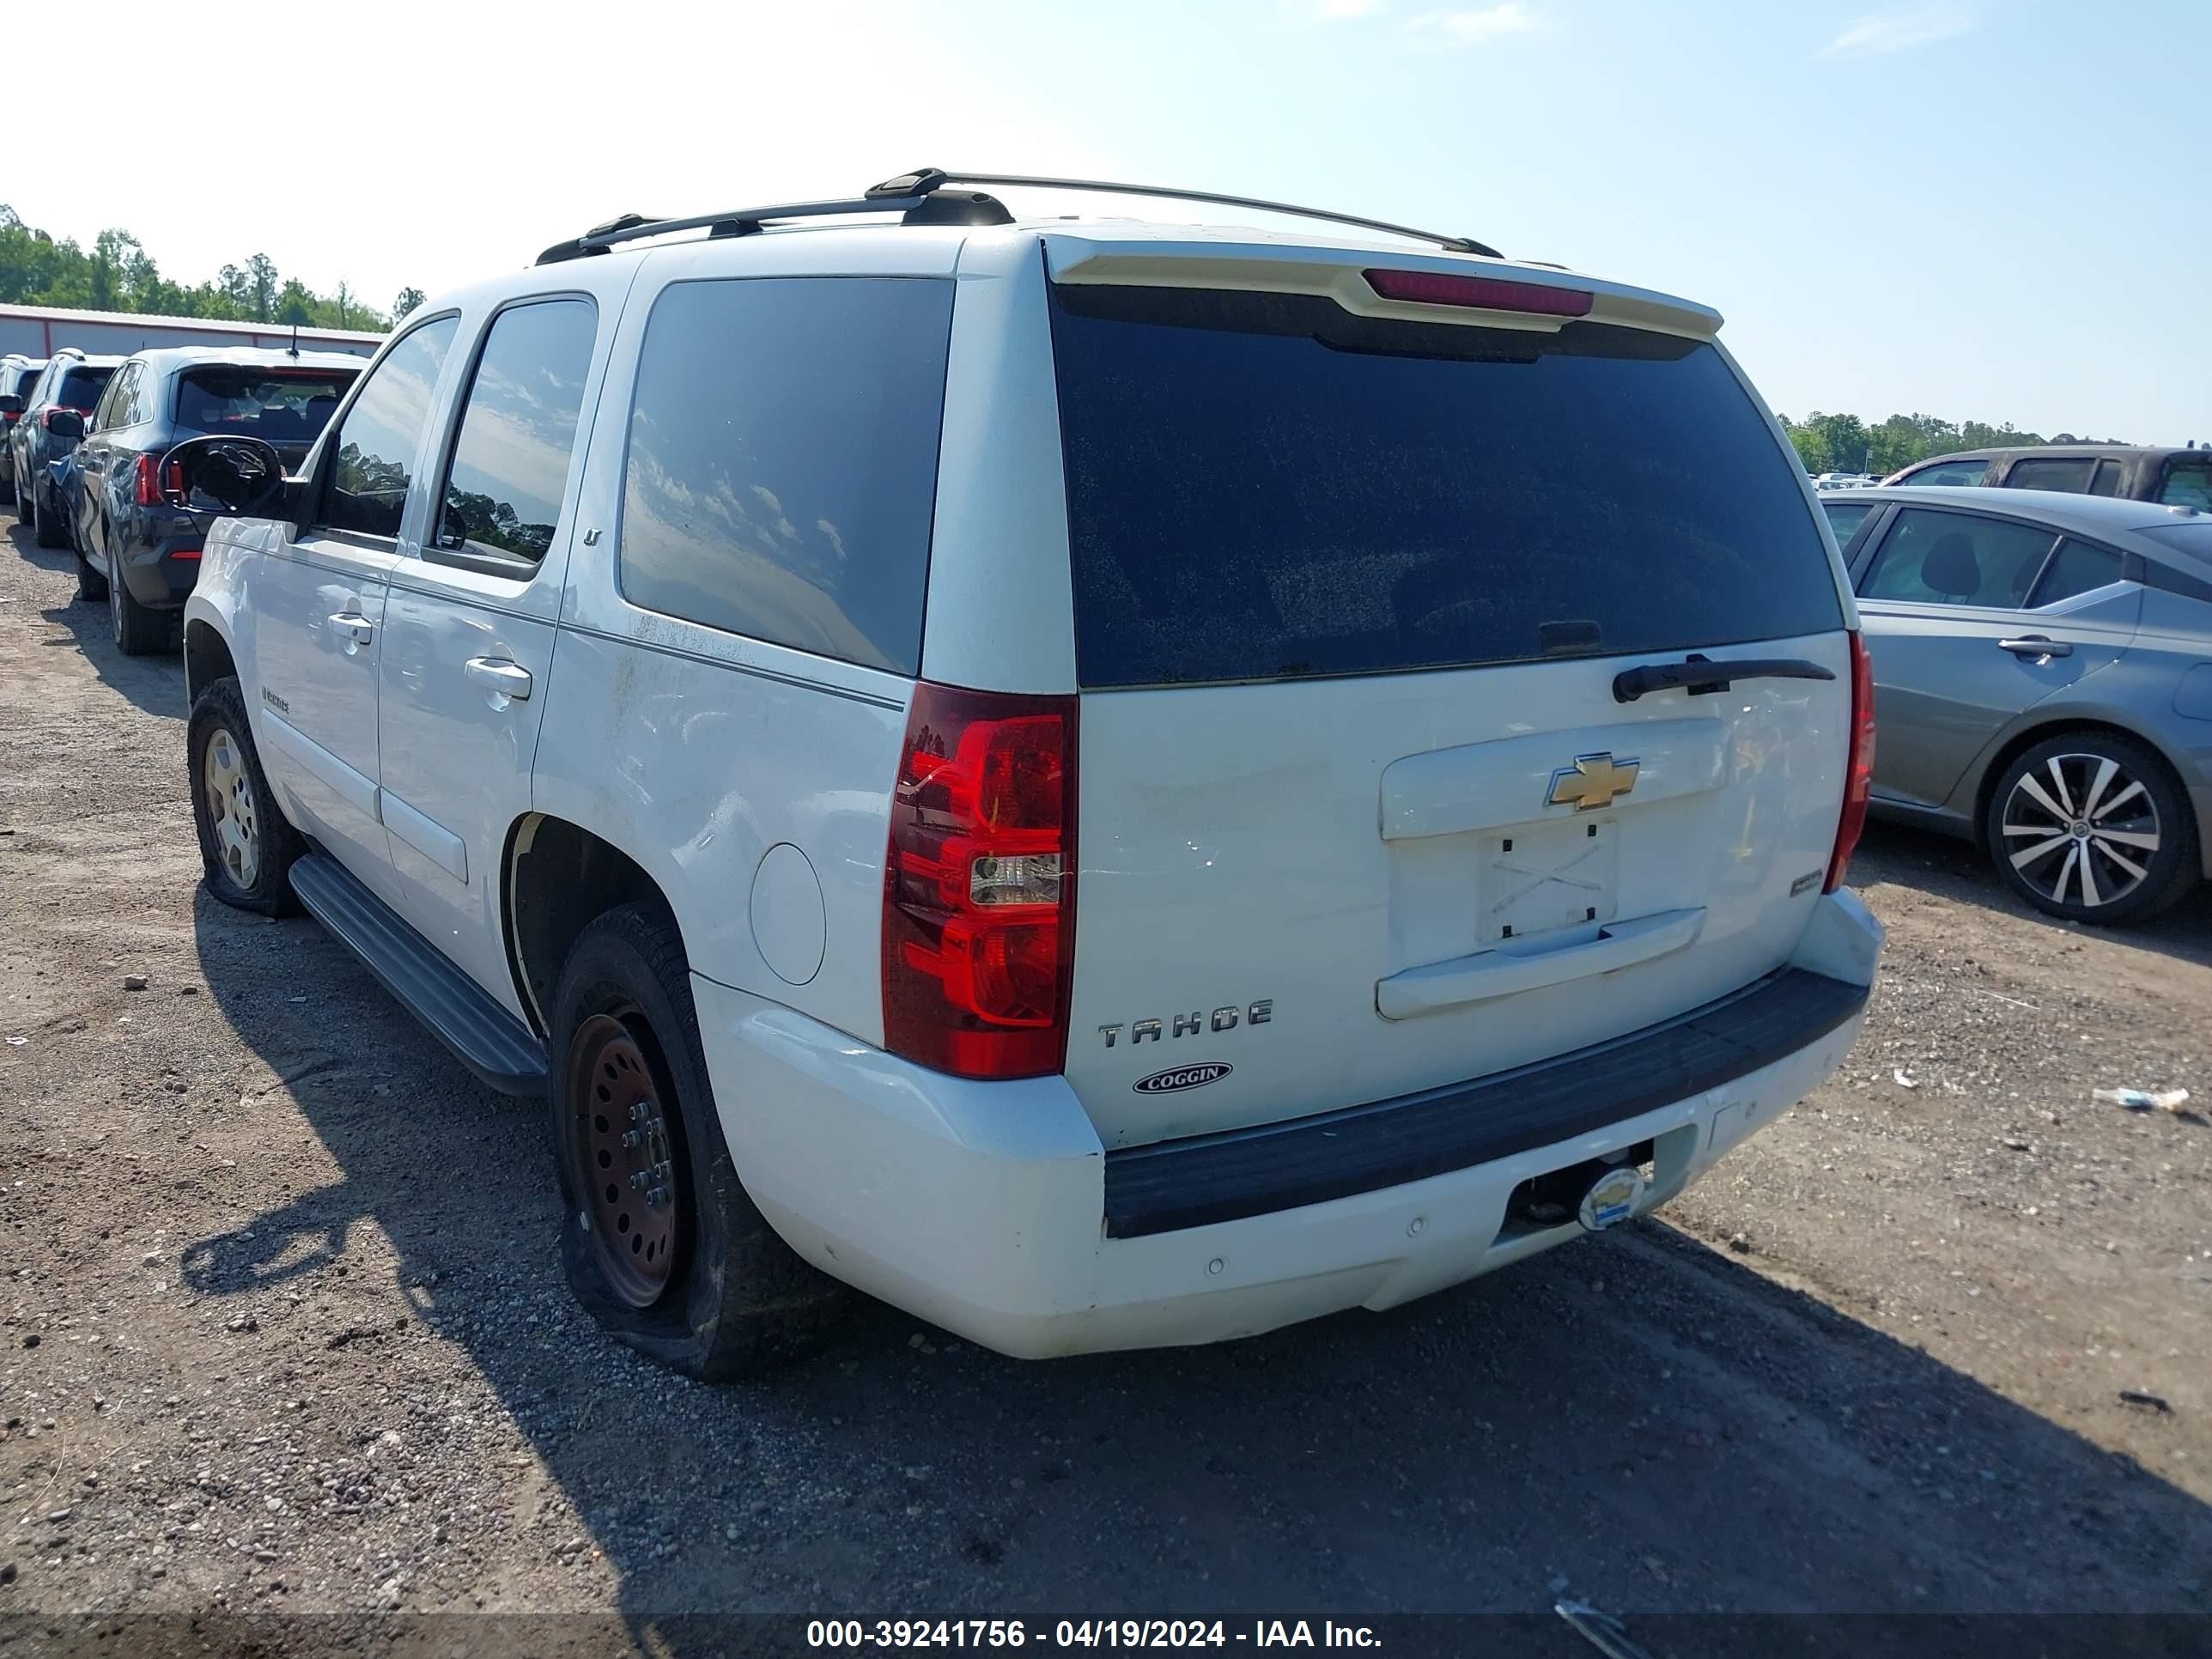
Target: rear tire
8	491
139	630
90	584
246	846
721	1295
2135	851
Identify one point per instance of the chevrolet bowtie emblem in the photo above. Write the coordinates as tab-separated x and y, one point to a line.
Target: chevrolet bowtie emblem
1594	780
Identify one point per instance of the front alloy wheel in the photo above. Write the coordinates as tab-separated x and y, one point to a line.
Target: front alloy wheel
2091	827
230	807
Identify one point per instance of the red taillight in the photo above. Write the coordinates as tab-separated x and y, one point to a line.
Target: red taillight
185	553
11	417
1858	770
979	884
150	481
1436	288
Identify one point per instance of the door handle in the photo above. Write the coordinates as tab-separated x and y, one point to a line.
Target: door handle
355	626
2036	645
509	680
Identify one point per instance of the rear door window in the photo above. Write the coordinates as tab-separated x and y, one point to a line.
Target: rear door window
2077	568
1934	557
2188	481
278	406
782	466
2110	480
510	468
1267	486
2070	474
373	465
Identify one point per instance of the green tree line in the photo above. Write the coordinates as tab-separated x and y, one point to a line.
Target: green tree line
118	274
1844	443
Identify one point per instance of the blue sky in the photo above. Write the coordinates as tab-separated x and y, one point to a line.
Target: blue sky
1962	208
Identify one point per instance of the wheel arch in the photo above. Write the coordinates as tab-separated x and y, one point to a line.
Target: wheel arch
2011	746
207	656
556	878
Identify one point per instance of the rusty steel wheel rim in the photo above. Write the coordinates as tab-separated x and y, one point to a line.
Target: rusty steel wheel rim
621	1158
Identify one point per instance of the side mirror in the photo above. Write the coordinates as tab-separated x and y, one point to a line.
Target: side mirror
243	477
11	403
64	422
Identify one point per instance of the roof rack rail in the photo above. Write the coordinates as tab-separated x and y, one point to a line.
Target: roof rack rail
1452	243
926	204
922	197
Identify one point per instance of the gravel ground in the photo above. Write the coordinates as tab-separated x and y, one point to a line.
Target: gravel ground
281	1326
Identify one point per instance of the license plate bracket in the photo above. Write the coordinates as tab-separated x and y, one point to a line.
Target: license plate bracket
1542	877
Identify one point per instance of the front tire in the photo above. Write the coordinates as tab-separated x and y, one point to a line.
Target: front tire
44	531
90	584
2091	826
659	1239
247	847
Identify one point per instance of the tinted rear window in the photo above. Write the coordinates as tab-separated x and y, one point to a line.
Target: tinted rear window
81	388
277	406
1268	487
2188	481
782	466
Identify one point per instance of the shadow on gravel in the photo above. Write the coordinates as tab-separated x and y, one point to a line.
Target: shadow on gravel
1634	1420
1946	867
154	684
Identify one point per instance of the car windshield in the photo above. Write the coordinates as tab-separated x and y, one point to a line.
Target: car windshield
79	388
276	405
1270	487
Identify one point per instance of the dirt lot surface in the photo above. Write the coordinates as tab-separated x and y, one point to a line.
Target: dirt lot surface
281	1325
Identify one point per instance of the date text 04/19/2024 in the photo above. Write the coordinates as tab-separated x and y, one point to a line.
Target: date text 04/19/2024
1084	1633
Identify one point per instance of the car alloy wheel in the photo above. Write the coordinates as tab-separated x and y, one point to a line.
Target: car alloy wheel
230	807
2080	830
621	1157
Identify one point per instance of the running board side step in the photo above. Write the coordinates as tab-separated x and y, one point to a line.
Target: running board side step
484	1037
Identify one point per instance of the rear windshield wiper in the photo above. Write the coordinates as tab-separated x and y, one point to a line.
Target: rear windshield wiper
1699	675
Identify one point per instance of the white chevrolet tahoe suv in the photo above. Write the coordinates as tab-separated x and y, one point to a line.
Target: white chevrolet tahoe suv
1105	783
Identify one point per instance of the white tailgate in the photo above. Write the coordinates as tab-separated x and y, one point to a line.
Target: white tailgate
1312	883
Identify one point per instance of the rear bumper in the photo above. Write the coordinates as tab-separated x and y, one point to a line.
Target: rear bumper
990	1209
157	578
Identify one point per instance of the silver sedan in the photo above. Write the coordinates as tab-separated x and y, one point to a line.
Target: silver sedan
2042	675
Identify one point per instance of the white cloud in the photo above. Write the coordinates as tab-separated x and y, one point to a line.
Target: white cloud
1465	28
1898	31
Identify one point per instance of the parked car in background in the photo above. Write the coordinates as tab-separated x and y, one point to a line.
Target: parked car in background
2043	674
53	421
18	375
135	548
669	674
2172	477
1843	480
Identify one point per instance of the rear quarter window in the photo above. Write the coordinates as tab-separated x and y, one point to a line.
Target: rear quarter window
781	473
1269	487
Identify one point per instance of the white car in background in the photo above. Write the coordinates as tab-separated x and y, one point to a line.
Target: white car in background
1106	783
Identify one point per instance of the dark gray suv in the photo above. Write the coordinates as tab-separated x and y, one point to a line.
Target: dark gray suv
53	419
135	548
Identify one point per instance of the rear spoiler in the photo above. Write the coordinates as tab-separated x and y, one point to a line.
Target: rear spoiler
1226	261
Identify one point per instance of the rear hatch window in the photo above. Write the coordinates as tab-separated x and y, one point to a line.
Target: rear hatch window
79	388
1265	486
281	406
